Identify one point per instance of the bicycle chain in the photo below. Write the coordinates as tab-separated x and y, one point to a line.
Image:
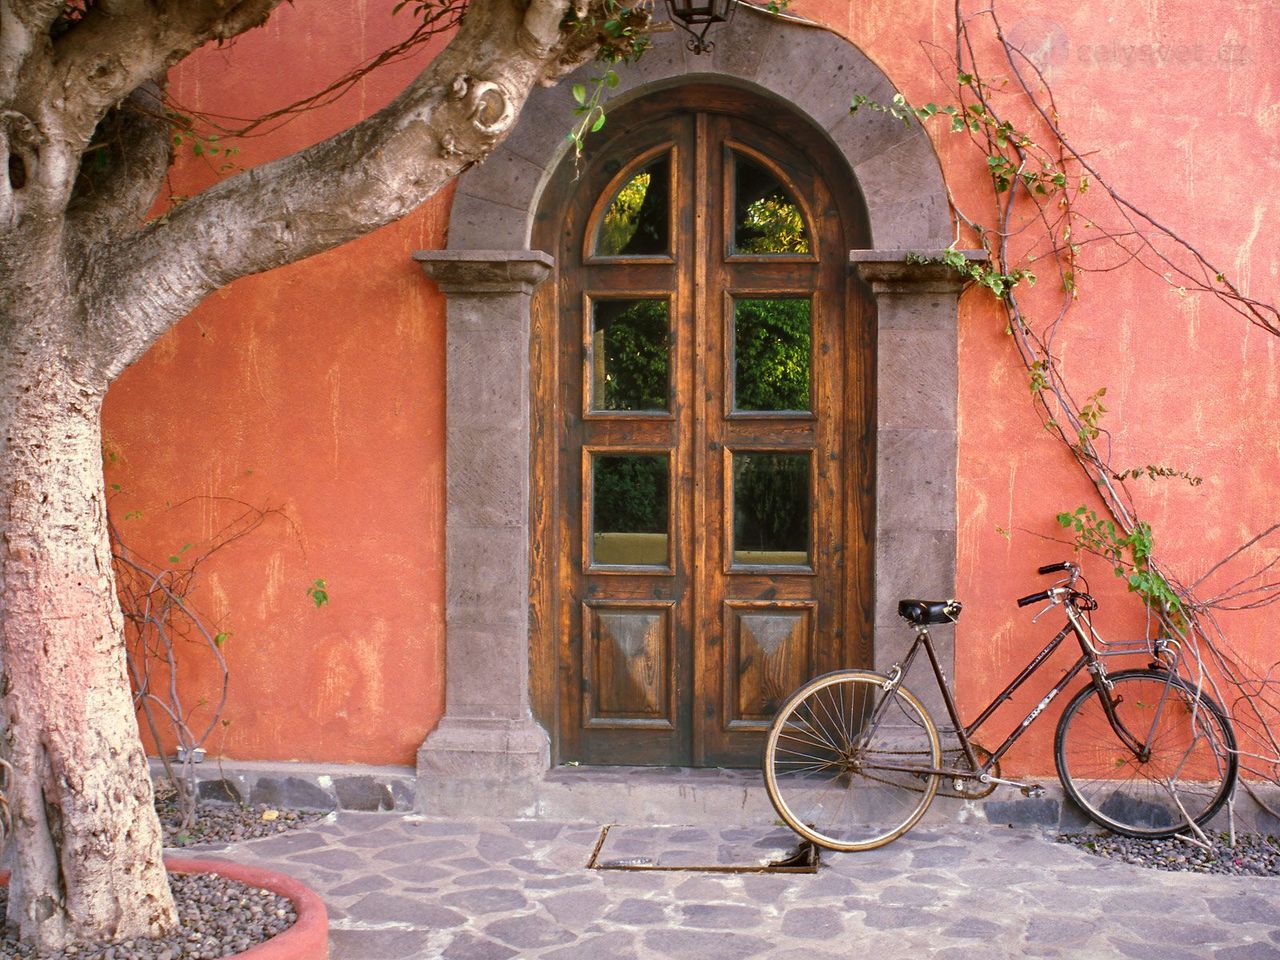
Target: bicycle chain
976	792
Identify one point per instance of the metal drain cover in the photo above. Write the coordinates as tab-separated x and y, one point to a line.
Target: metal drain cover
705	849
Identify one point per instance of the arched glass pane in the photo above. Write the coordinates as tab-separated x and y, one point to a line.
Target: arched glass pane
772	345
766	217
638	220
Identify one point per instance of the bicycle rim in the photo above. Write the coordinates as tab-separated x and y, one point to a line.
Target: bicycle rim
1190	770
826	756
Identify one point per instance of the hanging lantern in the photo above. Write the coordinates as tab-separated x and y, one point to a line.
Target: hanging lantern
696	18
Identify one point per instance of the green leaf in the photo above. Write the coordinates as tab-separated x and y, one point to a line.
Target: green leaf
220	638
595	127
318	593
610	79
580	93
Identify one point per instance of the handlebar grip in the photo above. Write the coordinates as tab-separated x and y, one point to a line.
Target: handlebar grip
1034	598
1054	568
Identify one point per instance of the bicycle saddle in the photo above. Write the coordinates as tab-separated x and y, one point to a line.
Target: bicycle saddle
921	612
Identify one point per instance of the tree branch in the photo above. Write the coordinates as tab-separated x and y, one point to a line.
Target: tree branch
451	117
123	171
24	27
118	46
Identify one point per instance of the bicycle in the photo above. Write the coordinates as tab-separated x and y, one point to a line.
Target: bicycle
853	759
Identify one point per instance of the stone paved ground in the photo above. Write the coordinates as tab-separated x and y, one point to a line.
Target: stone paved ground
411	887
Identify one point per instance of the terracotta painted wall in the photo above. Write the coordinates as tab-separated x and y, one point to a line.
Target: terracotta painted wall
320	387
1180	103
317	388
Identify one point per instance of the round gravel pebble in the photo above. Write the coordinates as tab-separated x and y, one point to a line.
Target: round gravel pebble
217	917
1254	855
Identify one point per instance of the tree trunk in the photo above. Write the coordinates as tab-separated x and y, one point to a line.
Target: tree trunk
86	288
87	843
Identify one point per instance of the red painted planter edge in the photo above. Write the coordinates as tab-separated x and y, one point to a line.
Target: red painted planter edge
307	939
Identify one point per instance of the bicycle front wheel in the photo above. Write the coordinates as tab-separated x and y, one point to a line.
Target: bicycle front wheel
1185	767
847	762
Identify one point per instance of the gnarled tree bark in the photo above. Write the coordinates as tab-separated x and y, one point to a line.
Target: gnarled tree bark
86	288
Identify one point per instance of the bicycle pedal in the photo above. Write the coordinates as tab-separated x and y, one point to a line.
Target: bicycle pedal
1033	790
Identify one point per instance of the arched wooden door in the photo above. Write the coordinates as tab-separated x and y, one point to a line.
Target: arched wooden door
703	408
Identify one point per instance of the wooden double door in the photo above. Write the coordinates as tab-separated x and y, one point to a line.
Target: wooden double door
702	403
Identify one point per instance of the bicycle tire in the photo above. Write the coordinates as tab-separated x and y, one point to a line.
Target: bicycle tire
1192	763
820	761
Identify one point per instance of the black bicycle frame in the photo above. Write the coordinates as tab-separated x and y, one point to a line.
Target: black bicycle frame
964	733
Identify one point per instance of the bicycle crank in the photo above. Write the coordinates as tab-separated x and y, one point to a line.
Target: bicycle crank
973	787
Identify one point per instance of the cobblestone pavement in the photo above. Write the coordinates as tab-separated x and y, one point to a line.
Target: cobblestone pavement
412	887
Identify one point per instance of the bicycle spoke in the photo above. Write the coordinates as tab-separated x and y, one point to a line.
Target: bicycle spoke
1185	771
822	755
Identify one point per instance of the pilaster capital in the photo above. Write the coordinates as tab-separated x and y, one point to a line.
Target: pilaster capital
485	271
911	271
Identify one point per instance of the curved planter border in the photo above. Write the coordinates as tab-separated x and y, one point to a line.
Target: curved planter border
307	939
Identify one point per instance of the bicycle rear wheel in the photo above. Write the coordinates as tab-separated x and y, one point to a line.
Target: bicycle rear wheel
833	756
1187	770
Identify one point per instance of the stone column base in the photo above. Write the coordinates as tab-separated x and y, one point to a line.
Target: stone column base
476	766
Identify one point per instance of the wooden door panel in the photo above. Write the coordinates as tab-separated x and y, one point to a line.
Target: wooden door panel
629	677
767	655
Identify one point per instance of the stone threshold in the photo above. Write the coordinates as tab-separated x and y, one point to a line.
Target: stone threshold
302	786
612	795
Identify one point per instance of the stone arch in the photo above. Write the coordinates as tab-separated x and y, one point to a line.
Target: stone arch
488	274
894	163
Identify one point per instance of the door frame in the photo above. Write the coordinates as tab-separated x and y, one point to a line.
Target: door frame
488	274
695	653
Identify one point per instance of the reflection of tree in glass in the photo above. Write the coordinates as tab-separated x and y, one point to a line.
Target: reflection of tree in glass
630	493
772	345
766	217
637	222
632	342
771	502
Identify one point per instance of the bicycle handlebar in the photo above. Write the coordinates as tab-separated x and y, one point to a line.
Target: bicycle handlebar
1055	567
1071	569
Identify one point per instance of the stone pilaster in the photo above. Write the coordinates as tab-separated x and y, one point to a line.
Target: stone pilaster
488	734
917	384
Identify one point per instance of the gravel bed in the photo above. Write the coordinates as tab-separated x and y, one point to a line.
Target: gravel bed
226	822
1254	855
217	918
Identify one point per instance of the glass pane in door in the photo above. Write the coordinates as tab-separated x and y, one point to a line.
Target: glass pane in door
772	346
630	509
629	355
766	217
771	509
637	222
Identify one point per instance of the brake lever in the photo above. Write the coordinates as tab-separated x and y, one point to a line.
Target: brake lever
1051	605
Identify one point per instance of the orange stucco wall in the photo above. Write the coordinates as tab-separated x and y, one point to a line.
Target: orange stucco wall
320	387
317	388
